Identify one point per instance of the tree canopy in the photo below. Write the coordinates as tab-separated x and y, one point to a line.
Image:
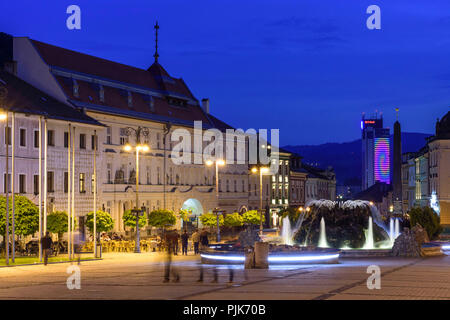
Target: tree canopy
129	219
428	219
233	220
252	217
161	218
26	216
210	219
104	221
57	223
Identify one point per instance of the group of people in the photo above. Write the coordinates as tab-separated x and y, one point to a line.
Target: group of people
172	240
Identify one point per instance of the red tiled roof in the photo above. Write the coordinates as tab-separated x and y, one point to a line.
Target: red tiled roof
155	78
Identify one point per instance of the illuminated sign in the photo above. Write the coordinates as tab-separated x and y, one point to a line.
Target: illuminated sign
382	160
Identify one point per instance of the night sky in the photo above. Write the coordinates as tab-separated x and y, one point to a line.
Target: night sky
307	67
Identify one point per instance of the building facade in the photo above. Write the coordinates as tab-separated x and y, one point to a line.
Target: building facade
439	169
375	152
118	97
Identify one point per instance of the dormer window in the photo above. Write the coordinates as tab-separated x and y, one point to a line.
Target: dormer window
130	100
75	88
101	93
176	102
151	103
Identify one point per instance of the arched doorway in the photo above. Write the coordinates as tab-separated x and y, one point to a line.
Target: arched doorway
196	208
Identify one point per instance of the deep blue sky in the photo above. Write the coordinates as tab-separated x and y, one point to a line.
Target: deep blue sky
306	67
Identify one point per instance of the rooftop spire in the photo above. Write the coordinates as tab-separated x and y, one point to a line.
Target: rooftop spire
156	55
396	113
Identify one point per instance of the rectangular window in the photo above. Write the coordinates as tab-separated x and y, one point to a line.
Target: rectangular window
108	135
36	184
82	183
82	141
4	183
23	137
66	139
94	140
50	181
66	182
22	183
51	138
8	135
36	139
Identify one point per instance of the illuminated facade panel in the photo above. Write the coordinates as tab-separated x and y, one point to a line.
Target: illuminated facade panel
382	160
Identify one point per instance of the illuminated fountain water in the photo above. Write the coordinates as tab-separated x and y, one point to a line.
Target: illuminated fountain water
397	228
376	234
391	230
369	236
322	235
286	232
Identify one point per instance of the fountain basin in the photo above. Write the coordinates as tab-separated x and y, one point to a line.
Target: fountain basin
218	254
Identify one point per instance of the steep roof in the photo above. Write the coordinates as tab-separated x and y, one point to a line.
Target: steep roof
172	99
24	98
442	128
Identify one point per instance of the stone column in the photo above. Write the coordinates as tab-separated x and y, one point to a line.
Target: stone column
261	255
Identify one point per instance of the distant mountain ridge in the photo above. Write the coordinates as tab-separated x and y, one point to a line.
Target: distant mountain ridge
345	157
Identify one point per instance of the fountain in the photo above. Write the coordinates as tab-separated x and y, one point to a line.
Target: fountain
286	232
391	230
397	228
369	236
323	235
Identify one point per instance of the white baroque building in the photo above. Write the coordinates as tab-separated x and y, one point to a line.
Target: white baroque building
104	98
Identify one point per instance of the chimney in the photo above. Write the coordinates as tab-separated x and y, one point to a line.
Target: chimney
205	105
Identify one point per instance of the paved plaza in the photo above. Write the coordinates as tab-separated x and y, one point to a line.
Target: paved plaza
131	276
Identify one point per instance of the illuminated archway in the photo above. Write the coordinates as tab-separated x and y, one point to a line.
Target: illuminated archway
195	207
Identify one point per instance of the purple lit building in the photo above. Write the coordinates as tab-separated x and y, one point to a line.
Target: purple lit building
375	151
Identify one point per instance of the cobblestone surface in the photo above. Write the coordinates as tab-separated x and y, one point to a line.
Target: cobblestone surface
131	276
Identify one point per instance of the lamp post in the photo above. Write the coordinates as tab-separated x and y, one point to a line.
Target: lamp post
4	116
95	194
13	147
261	170
218	163
144	148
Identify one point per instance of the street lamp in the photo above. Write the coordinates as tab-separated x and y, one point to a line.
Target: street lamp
4	117
139	148
217	162
261	170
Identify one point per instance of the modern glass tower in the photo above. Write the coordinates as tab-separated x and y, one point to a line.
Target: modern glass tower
375	151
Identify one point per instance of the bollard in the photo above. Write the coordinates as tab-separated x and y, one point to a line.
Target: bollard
261	255
249	258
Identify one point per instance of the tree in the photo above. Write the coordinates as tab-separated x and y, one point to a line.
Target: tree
161	218
252	217
57	223
104	221
428	219
210	219
129	219
185	214
233	220
26	216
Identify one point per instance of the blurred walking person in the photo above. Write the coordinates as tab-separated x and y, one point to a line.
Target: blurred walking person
195	240
168	270
47	243
184	243
175	239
